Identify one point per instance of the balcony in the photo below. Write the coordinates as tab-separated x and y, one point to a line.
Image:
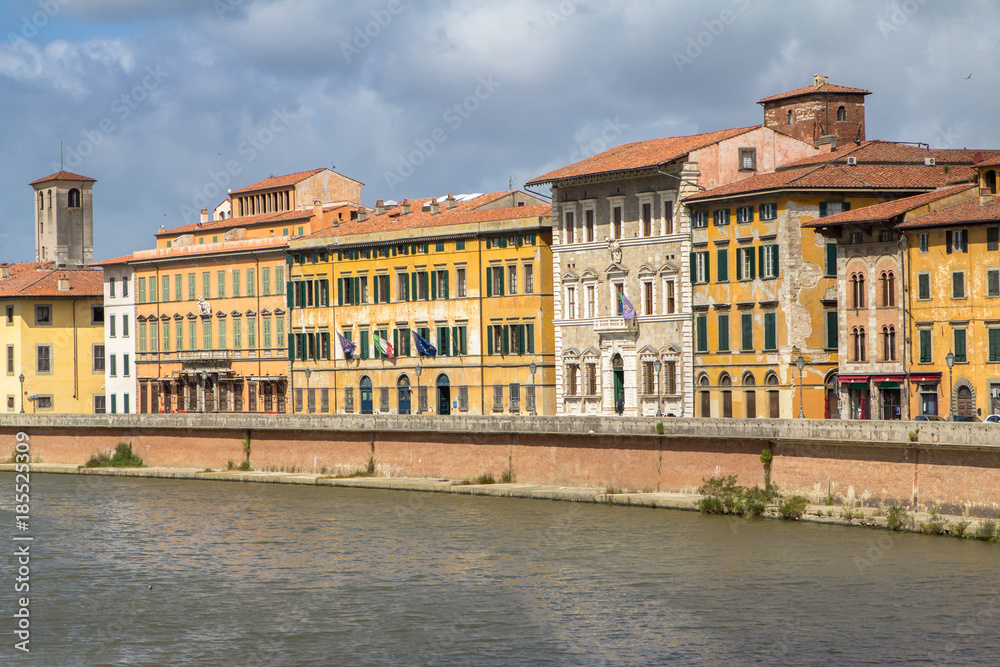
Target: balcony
214	355
605	325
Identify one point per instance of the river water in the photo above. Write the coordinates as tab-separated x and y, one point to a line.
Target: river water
165	572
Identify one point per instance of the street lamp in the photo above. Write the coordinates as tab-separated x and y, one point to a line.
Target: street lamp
308	372
800	363
417	372
21	378
657	365
204	391
950	360
534	397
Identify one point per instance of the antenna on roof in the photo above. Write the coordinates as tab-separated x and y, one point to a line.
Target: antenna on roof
60	156
510	183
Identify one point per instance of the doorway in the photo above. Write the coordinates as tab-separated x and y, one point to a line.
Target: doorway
366	395
618	371
403	394
444	395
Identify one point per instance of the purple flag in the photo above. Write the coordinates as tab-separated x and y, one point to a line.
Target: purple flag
628	311
346	345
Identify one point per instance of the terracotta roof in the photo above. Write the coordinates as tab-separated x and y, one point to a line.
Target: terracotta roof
463	213
830	176
64	176
124	259
287	179
200	249
640	155
824	88
41	279
888	210
967	212
227	223
880	151
988	159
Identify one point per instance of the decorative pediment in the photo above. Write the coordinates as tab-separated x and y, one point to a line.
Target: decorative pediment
646	350
165	317
252	313
221	315
616	270
645	270
279	311
591	352
192	316
589	275
236	313
569	277
178	316
572	353
141	318
669	267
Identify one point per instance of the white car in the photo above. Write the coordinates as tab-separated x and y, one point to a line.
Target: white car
992	419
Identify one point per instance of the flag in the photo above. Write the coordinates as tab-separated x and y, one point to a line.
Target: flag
383	345
628	310
346	345
423	346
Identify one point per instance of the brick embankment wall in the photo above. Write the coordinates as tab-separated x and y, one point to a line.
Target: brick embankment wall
955	467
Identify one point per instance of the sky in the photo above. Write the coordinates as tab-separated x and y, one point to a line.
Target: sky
170	103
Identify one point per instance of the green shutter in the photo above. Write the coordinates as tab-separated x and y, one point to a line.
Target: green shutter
289	298
739	263
708	269
356	292
760	261
520	339
925	346
774	261
291	346
694	266
770	333
326	345
364	344
433	284
753	264
413	291
445	284
723	333
847	206
702	322
831	329
722	262
455	347
489	340
529	333
831	259
994	336
505	338
489	281
340	291
444	341
822	209
746	331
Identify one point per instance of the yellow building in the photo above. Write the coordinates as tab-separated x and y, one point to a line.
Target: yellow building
210	298
471	276
53	338
765	281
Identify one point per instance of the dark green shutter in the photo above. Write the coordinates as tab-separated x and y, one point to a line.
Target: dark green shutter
529	333
520	339
289	297
414	292
356	292
505	338
702	322
753	264
947	241
445	274
994	335
847	206
831	259
832	333
722	261
444	341
427	280
774	261
760	262
364	344
708	269
455	347
489	281
822	209
770	333
746	331
739	263
723	333
489	340
291	346
326	345
694	269
433	284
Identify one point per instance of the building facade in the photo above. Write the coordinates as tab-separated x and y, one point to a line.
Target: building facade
64	219
119	337
429	306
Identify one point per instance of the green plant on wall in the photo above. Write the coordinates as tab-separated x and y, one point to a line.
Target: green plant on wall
766	457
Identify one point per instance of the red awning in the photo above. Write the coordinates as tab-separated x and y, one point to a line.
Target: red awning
925	377
888	378
852	379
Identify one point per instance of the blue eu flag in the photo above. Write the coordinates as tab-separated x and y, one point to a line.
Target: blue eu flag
423	346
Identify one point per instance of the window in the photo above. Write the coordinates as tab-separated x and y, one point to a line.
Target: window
114	366
770	331
515	397
720	217
98	358
512	279
124	326
700	219
111	326
769	261
860	345
154	345
833	207
460	281
590	379
179	335
886	236
924	241
97	314
237	334
568	234
647	219
841	113
221	279
571	303
699	262
993	238
831	260
748	159
746	332
958	285
265	281
73	198
858	289
668	216
100	405
745	264
888	343
701	325
206	282
926	354
111	287
10	314
616	222
961	356
529	278
856	238
832	330
237	288
43	403
591	301
142	337
888	280
956	240
192	335
648	379
671	303
670	378
647	294
206	334
588	217
723	332
768	211
166	288
43	314
152	289
279	280
923	286
10	360
994	347
722	265
571	373
992	282
43	358
744	214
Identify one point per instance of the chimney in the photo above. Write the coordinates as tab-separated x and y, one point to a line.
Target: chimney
318	209
450	201
63	283
379	207
434	207
819	80
362	214
5	270
204	215
404	207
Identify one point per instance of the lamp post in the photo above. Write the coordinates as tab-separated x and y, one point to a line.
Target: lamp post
800	363
204	391
21	378
950	360
657	365
307	372
417	373
534	397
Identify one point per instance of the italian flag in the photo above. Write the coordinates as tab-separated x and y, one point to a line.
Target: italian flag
383	346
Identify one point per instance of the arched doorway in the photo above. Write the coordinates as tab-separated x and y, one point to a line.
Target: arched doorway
727	395
832	401
706	397
618	373
750	395
366	395
964	405
773	396
444	395
403	394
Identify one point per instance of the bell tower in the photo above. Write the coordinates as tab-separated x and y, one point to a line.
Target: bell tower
64	219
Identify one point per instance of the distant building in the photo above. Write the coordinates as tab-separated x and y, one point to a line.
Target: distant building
119	335
822	114
64	219
444	306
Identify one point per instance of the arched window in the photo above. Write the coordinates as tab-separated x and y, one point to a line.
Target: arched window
73	198
41	201
50	198
858	334
789	116
991	182
750	395
727	395
888	280
858	289
841	113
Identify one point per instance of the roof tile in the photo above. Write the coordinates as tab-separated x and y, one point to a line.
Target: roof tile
64	176
31	279
810	90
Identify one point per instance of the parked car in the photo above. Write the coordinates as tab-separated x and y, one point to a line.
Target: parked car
963	418
928	418
992	419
